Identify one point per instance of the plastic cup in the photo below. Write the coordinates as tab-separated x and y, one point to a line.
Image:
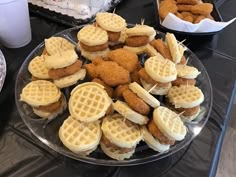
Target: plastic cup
15	30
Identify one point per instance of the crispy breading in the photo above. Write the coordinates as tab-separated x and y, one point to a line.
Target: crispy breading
183	60
91	70
186	8
66	71
167	6
161	47
125	58
113	36
154	130
188	19
97	60
182	81
202	9
117	94
179	15
108	89
135	102
199	18
50	108
136	41
188	2
188	111
95	48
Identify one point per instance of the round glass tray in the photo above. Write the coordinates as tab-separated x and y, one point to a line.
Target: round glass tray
3	70
47	130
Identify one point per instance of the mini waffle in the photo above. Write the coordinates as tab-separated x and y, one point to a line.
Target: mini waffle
38	68
187	72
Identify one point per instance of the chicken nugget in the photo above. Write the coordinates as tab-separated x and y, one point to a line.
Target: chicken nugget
97	60
112	74
95	48
125	58
161	47
199	18
167	7
202	9
91	70
113	36
182	81
136	41
179	15
108	89
117	94
183	60
188	2
188	111
135	102
188	19
186	8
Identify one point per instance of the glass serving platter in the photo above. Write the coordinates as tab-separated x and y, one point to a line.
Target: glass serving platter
47	130
3	70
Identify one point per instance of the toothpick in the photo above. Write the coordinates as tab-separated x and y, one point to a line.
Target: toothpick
179	114
114	11
142	21
152	88
182	42
186	61
166	63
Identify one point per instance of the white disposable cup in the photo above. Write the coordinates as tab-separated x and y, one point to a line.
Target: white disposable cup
15	28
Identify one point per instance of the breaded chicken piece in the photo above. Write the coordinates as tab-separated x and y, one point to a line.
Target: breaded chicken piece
108	89
66	71
97	60
183	81
154	130
112	74
188	111
125	58
52	107
186	8
161	47
202	9
113	36
95	48
183	60
199	18
135	102
136	41
188	2
118	92
167	6
91	70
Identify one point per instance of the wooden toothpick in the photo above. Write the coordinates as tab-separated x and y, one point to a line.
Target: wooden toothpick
152	88
114	11
181	42
179	114
142	21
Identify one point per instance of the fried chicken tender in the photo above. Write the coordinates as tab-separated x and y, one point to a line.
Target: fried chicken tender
136	41
199	18
188	111
188	19
183	60
95	48
50	108
112	74
125	58
135	102
202	9
183	81
167	6
113	36
97	60
66	71
118	92
91	70
154	130
186	8
179	15
188	2
161	47
108	89
144	75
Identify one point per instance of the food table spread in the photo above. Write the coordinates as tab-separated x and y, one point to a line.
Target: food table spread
25	155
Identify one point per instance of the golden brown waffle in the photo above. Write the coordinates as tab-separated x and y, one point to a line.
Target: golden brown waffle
40	93
121	132
78	136
161	70
55	45
169	123
38	68
110	21
187	72
141	30
88	102
185	96
91	35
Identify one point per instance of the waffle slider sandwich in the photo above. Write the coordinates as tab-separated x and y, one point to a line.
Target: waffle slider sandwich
114	24
138	37
93	42
157	74
137	104
186	99
120	137
164	129
38	69
186	75
55	45
65	68
80	137
45	98
89	102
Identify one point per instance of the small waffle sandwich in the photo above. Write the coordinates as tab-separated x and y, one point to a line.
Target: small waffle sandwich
65	68
164	129
45	98
120	137
115	26
185	75
89	102
157	74
80	137
93	42
55	45
38	68
186	99
138	37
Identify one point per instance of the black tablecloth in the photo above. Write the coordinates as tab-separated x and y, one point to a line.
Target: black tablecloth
21	154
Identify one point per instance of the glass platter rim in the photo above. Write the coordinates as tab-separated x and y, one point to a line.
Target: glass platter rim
4	72
111	162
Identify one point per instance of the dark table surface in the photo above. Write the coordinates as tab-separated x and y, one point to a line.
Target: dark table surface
21	154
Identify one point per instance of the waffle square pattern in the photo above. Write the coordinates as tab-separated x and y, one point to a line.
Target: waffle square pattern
38	68
88	102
